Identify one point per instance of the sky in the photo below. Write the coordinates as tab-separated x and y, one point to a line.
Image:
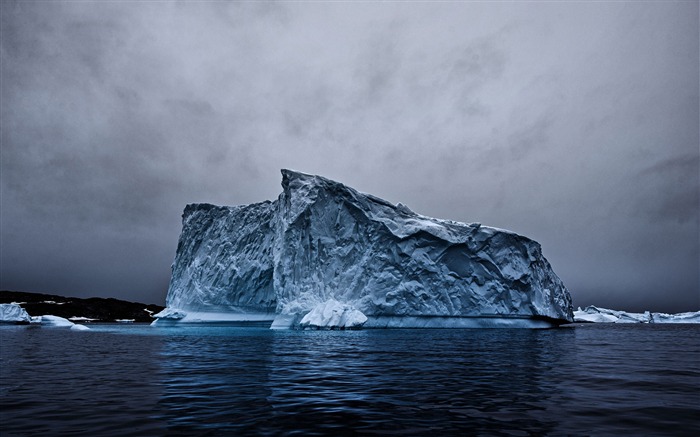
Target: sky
573	123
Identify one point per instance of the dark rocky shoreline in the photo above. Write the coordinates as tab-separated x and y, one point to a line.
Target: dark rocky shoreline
97	308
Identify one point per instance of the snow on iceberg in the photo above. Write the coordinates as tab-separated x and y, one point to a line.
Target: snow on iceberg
13	313
593	314
321	241
333	315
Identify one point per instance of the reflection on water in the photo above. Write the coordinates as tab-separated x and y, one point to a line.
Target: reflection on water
329	381
215	379
119	380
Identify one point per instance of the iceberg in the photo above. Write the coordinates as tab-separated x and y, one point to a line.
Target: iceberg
276	262
13	313
333	315
690	317
55	321
593	314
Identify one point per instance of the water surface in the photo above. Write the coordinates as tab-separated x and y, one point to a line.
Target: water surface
141	380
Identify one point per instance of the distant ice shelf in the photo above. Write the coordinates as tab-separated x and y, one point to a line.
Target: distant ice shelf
593	314
324	255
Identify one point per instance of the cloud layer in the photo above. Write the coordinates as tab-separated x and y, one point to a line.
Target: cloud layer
575	124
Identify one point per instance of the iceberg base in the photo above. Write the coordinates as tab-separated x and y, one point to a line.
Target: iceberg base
220	318
456	322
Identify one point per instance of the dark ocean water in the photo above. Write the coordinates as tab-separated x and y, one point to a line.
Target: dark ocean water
210	381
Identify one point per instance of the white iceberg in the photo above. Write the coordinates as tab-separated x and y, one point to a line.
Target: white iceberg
170	314
593	314
691	317
13	313
55	321
322	241
333	315
81	319
585	317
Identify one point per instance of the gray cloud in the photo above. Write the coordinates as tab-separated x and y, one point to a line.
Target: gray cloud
573	123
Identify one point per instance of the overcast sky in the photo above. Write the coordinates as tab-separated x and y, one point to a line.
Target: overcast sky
575	124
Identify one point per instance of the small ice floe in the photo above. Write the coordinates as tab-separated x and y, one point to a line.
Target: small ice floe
124	320
81	319
333	315
13	313
79	328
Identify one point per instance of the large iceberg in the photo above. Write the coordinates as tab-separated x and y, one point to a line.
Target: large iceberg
13	313
322	241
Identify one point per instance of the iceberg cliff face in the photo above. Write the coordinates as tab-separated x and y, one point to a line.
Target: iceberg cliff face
224	260
13	313
321	240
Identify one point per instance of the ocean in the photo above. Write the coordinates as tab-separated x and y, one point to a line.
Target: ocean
138	380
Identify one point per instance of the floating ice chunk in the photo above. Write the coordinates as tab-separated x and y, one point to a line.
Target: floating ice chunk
604	315
171	314
691	317
81	319
55	321
79	328
595	314
333	315
13	313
